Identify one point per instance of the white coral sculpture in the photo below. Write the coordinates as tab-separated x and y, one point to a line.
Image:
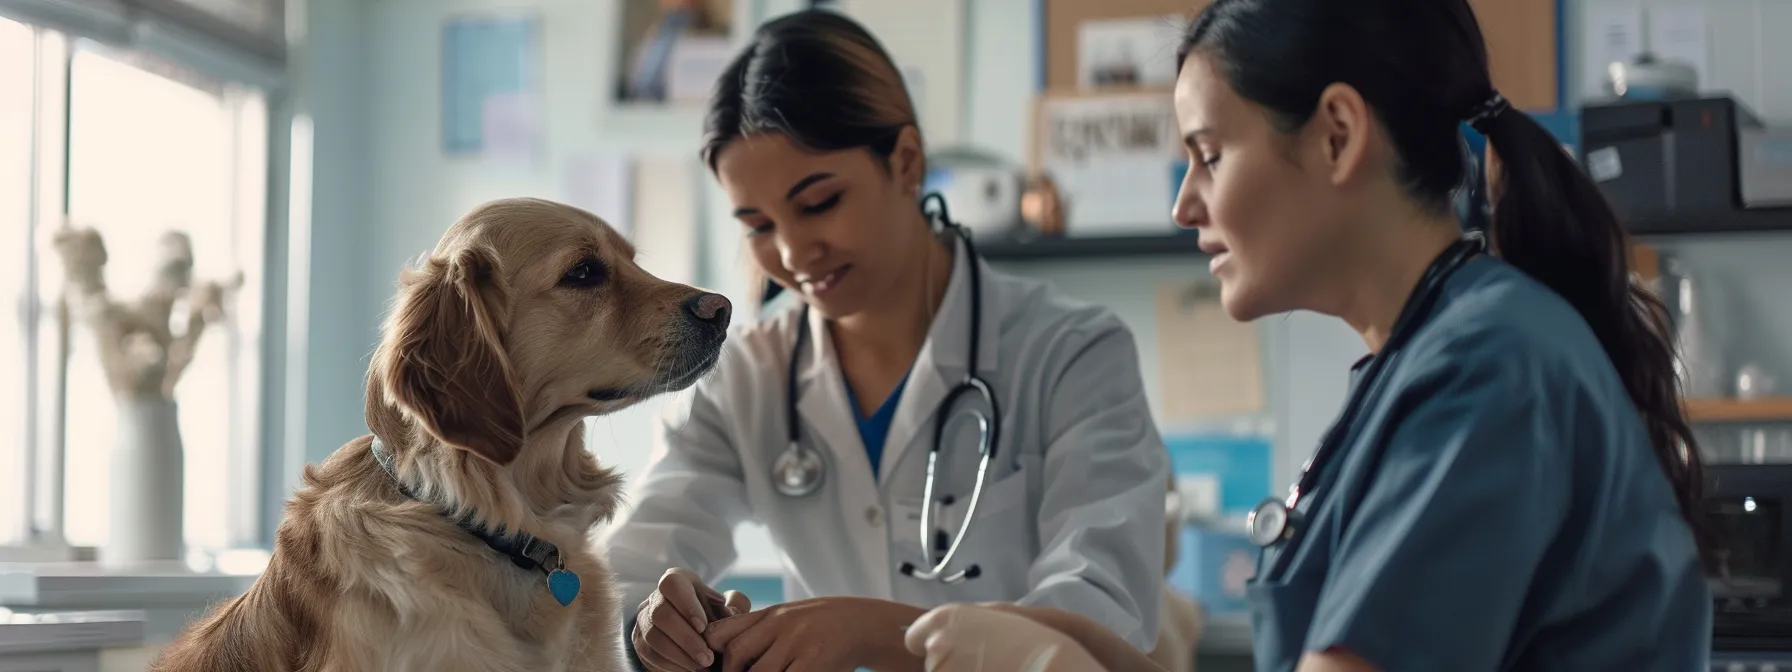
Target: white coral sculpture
139	350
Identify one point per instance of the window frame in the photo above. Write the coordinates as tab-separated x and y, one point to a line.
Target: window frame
258	478
20	308
43	399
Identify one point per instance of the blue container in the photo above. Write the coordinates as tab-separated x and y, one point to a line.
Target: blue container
1241	464
1213	568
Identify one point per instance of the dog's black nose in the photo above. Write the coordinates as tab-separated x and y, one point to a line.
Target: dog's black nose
709	308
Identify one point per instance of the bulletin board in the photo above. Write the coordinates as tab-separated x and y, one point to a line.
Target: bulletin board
1062	18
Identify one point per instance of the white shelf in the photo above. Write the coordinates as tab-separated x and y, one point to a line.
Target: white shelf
69	631
85	585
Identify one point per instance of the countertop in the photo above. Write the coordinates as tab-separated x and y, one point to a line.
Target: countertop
168	594
22	634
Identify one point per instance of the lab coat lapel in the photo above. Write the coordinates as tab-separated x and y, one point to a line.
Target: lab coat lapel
825	414
943	359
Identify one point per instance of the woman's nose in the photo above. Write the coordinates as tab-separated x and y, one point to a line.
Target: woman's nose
799	250
1189	211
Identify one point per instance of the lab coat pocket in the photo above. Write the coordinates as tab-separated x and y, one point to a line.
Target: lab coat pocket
999	495
1000	522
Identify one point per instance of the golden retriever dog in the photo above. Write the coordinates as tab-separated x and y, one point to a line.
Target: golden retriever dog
528	317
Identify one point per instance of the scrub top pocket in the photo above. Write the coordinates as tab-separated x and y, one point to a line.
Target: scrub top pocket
1281	613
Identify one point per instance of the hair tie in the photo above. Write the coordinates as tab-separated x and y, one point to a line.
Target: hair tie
1486	112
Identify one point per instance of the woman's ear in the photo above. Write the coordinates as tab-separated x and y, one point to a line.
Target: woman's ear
1344	127
908	162
1491	172
443	360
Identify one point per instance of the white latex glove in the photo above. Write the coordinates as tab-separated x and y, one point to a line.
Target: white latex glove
970	638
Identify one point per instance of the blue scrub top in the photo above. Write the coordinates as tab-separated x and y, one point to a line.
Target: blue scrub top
874	428
1496	507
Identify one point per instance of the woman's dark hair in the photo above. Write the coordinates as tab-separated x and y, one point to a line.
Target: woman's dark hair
1421	65
818	78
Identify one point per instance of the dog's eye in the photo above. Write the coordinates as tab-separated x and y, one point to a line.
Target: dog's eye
586	273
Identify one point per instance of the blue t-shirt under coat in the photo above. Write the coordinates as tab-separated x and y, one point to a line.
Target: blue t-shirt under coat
874	428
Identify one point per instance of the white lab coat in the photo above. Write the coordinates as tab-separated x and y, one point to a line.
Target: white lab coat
1072	515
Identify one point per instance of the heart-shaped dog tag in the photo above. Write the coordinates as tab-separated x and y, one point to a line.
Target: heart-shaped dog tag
564	585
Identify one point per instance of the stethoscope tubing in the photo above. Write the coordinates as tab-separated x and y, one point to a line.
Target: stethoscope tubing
1275	521
989	426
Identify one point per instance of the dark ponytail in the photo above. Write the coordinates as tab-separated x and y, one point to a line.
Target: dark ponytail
1421	65
1551	221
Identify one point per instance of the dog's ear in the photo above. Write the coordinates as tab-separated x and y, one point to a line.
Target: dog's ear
445	363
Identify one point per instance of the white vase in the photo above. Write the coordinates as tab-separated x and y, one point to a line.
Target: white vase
145	521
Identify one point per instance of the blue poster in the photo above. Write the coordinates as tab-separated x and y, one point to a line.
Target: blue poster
485	59
1212	567
1241	464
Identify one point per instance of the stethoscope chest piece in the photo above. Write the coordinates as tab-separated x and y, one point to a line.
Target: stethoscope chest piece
798	471
1271	522
1274	520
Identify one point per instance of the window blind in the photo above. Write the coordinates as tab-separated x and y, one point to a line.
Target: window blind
236	40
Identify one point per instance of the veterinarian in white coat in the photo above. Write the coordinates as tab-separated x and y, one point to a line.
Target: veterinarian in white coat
824	164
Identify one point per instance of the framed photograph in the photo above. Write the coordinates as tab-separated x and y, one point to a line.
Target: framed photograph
673	50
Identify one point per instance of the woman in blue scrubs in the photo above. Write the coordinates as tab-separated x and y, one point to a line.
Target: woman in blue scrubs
1514	484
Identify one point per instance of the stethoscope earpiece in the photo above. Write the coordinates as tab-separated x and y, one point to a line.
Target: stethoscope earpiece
939	200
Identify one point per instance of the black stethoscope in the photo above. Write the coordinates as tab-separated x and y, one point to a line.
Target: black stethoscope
799	470
1274	521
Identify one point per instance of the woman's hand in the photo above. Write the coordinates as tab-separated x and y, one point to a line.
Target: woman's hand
972	638
667	635
824	634
1097	641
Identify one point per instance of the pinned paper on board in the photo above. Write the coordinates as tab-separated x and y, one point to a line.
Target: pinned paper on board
1113	157
511	127
1210	364
491	87
1610	35
1127	52
1681	33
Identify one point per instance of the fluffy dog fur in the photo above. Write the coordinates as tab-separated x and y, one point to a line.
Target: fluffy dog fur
527	317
